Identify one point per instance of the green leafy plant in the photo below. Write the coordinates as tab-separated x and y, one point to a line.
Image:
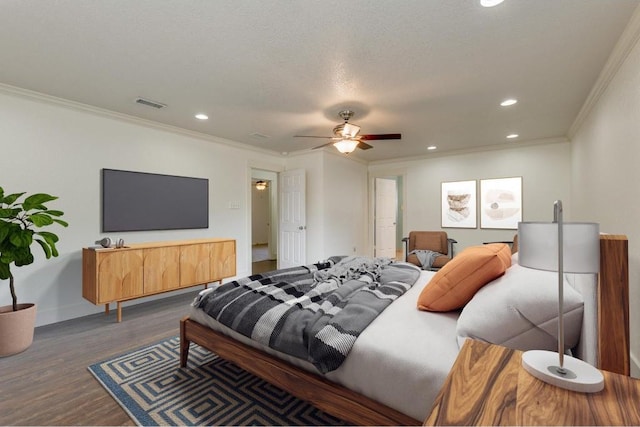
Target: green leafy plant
17	223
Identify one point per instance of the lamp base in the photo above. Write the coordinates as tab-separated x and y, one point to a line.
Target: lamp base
578	375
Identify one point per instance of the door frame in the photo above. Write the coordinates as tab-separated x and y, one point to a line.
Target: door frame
400	175
295	226
270	173
386	217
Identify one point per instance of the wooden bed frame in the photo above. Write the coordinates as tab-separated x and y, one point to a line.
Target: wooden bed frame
613	349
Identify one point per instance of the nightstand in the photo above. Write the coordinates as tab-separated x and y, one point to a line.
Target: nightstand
488	386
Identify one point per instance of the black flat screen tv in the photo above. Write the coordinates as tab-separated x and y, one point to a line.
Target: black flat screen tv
138	201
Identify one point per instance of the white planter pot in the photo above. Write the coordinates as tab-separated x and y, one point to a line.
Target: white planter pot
16	328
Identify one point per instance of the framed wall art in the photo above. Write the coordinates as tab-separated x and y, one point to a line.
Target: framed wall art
501	203
458	201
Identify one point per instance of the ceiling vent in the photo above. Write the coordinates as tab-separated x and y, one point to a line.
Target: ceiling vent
150	103
258	135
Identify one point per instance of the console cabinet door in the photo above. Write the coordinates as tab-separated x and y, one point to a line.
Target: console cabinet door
223	260
120	275
194	264
161	269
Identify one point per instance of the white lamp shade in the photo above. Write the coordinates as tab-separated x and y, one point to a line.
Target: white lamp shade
538	246
346	146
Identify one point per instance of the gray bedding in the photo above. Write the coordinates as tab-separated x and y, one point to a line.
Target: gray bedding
312	312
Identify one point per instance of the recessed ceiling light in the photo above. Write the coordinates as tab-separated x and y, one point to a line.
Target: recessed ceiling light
490	3
513	135
431	147
201	116
508	102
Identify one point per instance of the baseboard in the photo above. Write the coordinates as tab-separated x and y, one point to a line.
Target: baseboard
85	308
67	312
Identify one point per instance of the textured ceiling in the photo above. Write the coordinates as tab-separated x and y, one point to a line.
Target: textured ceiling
433	70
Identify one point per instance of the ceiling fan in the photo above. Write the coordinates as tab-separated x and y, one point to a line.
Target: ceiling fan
346	137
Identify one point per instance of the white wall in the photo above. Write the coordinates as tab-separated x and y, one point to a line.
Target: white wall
336	204
606	173
345	205
53	148
544	168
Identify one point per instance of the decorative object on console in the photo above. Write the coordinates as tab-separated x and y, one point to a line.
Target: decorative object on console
104	242
565	248
501	203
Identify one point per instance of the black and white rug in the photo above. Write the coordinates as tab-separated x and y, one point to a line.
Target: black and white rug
152	388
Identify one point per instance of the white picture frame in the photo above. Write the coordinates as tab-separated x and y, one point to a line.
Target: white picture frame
500	203
458	204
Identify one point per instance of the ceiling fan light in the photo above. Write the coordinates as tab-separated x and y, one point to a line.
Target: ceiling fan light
350	130
261	185
346	146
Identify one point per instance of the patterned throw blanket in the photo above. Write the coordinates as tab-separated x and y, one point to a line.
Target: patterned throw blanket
313	312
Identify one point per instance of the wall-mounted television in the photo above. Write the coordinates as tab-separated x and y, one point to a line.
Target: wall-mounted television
136	201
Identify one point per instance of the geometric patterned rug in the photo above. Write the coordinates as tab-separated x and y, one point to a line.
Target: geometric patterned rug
152	388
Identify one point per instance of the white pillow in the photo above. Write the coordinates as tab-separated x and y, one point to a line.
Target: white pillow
520	310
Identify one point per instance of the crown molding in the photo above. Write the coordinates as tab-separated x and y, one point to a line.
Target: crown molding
621	51
485	148
102	112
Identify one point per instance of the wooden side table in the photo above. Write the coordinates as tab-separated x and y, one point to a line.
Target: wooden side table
488	386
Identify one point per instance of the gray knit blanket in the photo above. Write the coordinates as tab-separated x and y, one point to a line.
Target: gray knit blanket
426	257
313	312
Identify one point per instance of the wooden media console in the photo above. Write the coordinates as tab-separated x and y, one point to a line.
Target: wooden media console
144	269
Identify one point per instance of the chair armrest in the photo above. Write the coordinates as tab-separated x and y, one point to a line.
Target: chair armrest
406	248
451	241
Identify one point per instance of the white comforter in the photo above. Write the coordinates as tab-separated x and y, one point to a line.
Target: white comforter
405	369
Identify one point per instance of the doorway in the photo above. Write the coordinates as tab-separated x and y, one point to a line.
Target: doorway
264	236
388	217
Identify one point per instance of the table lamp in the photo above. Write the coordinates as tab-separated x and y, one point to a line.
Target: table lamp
566	248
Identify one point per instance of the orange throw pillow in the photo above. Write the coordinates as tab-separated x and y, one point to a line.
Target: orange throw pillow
457	282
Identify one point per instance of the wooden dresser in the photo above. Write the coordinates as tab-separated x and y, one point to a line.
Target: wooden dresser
488	386
143	269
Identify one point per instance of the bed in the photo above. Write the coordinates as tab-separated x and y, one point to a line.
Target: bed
397	370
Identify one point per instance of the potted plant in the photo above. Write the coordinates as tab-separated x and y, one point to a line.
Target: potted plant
20	227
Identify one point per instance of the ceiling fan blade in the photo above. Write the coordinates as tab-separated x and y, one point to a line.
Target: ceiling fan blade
380	136
364	145
311	136
323	145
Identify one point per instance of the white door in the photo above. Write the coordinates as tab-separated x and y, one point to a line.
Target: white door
385	217
292	241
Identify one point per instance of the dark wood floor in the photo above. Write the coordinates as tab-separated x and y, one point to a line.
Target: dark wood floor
49	383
